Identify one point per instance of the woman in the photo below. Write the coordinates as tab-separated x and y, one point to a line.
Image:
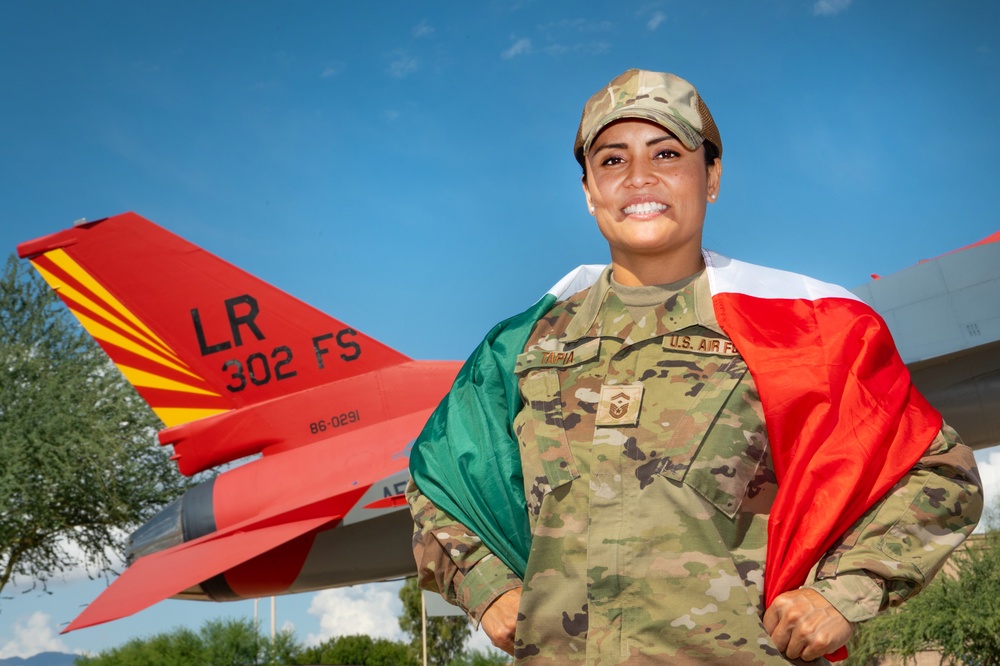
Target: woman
617	473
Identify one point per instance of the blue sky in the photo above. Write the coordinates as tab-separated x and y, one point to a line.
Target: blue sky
407	166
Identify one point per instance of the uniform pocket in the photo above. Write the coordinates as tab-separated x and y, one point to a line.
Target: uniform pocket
546	459
732	453
717	445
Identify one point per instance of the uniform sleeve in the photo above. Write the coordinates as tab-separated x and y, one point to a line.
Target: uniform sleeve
453	561
899	544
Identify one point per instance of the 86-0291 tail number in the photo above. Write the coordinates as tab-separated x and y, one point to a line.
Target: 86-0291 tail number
334	422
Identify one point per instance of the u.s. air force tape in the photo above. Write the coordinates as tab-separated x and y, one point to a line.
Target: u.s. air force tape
699	344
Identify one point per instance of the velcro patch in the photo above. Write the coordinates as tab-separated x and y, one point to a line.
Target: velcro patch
559	358
700	344
619	405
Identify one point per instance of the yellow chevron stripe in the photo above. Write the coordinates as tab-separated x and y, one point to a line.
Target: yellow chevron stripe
128	320
147	379
172	416
84	301
104	334
158	351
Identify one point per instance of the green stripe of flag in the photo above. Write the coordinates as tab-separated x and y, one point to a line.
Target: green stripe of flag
467	460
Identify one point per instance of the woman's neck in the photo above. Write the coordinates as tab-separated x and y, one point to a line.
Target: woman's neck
647	271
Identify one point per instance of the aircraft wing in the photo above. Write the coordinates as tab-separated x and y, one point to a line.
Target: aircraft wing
944	314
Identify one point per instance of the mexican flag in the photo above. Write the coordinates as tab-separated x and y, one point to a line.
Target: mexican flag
844	421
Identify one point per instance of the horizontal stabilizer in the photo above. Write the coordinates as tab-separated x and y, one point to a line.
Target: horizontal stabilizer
162	575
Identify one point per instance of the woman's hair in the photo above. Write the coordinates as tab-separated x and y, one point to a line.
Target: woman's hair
711	153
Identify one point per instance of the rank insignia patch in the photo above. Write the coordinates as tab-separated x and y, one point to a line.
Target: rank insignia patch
619	405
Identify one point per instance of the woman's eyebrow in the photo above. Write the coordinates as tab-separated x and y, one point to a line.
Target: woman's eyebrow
624	146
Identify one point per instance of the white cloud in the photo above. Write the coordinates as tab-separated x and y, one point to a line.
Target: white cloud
989	470
655	20
593	48
559	38
146	67
32	635
333	69
82	568
830	7
521	46
284	58
423	29
403	65
575	25
372	609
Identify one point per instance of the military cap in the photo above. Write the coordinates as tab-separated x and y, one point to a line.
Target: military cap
665	99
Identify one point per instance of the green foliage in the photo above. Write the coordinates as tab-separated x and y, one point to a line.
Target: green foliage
235	642
446	636
284	649
161	650
483	658
219	643
78	460
230	643
359	651
957	615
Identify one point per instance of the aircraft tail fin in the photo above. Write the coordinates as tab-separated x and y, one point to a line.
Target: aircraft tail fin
194	334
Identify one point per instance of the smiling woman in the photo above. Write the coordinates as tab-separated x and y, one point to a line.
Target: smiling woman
648	193
682	441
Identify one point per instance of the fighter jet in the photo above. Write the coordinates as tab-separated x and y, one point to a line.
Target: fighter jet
236	368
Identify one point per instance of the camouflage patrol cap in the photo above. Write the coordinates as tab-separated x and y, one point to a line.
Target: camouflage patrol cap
665	99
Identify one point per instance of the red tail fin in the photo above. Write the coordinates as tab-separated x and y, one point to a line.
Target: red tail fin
195	335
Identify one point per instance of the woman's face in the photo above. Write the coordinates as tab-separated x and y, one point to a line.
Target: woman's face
649	193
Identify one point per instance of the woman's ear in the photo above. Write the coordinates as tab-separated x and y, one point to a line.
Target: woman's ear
586	193
714	179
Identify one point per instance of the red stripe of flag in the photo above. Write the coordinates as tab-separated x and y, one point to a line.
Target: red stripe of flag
844	420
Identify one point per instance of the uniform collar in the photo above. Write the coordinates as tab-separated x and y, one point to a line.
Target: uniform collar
603	314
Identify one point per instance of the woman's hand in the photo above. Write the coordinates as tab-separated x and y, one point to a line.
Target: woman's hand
802	623
500	620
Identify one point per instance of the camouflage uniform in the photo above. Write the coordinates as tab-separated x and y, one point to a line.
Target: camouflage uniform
649	539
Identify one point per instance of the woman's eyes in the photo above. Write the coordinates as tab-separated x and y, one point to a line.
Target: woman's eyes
665	154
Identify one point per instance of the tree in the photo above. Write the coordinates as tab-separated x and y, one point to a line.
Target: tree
231	642
360	650
78	461
957	615
178	648
483	658
446	636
